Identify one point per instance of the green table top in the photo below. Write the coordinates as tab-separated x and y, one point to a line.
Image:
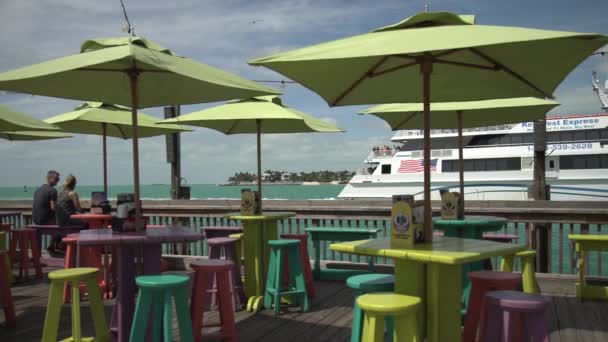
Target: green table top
341	230
443	250
265	216
470	221
588	237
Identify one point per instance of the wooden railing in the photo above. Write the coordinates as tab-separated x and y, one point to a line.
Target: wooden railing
527	220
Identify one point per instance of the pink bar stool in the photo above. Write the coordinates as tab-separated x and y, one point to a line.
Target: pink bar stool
204	270
511	315
26	239
227	247
483	282
303	238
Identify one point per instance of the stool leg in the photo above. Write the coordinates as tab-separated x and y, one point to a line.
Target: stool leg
35	253
183	319
157	311
390	328
507	262
277	282
270	278
474	310
7	298
537	327
68	262
528	275
76	330
167	316
140	318
24	265
226	307
373	328
507	326
102	332
357	325
53	312
406	328
296	267
490	331
197	303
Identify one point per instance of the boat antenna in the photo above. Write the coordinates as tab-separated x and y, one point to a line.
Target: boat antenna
426	7
128	28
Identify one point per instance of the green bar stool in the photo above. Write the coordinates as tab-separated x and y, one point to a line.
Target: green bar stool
368	283
528	273
379	306
75	276
275	288
155	292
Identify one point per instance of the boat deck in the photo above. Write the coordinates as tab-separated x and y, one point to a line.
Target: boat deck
328	320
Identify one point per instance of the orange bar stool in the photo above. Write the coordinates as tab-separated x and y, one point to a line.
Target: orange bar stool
26	239
204	270
310	284
483	282
6	298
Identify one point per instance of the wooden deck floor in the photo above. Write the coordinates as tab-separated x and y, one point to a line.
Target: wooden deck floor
328	320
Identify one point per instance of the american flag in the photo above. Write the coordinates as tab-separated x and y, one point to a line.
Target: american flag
416	165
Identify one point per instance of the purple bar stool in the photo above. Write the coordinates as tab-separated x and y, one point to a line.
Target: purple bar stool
512	315
227	247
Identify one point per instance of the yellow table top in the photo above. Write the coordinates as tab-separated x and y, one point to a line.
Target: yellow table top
443	250
265	216
589	237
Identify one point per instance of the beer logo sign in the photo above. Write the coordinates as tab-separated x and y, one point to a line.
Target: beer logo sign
402	223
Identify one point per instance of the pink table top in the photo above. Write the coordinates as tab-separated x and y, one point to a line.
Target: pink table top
173	234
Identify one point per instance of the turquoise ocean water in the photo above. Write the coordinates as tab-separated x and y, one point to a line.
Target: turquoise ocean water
197	191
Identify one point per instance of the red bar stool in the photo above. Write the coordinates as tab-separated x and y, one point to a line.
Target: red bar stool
227	247
204	270
511	315
104	277
26	239
303	238
6	298
483	282
69	261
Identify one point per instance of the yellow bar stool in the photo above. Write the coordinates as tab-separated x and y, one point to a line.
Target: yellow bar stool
528	273
75	276
403	309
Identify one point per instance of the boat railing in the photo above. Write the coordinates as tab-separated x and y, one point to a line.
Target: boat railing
531	222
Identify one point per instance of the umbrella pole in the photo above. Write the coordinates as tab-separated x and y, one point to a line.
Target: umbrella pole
133	75
460	156
105	158
258	123
426	67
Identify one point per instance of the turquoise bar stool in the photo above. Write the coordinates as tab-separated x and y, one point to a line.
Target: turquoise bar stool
155	292
368	283
275	287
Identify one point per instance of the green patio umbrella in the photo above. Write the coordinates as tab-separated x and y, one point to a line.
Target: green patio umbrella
466	114
11	120
33	135
107	120
133	72
436	57
258	115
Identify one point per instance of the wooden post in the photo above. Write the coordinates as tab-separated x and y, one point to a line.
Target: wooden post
105	157
174	153
541	231
426	68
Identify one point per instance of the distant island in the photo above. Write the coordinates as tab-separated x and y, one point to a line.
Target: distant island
292	178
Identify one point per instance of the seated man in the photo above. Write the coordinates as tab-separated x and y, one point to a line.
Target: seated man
45	201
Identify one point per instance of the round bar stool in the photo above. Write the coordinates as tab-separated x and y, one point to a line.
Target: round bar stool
403	309
528	273
203	271
26	239
511	315
303	238
296	286
228	247
483	282
6	298
75	276
369	283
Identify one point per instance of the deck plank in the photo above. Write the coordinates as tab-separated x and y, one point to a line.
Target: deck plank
329	319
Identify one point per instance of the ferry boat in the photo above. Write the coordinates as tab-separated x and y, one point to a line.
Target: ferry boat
498	162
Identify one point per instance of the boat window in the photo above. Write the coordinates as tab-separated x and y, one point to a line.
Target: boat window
552	164
593	134
528	138
386	169
517	139
491	164
577	162
566	136
604	134
579	135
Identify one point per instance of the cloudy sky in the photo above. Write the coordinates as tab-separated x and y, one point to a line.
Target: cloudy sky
225	34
